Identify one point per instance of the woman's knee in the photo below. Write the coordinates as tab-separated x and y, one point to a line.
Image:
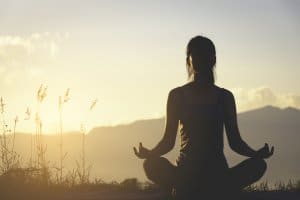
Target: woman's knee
150	166
149	163
156	167
260	166
248	172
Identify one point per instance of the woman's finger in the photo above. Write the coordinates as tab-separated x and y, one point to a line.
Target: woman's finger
135	151
267	146
272	150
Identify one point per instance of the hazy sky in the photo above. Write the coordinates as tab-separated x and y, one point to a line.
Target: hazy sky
129	54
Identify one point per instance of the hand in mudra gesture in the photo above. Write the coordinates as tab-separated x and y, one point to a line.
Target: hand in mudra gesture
265	152
142	152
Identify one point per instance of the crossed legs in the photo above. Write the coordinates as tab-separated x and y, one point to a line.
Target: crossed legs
162	172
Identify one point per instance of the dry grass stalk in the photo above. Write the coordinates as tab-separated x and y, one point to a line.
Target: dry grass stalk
9	158
83	171
16	119
61	102
41	149
28	117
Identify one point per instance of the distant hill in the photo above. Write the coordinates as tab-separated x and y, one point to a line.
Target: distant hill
109	149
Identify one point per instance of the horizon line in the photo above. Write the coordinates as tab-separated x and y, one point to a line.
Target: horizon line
145	119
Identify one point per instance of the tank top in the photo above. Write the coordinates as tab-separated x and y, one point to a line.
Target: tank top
201	134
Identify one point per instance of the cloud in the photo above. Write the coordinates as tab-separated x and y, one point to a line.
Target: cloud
20	55
247	99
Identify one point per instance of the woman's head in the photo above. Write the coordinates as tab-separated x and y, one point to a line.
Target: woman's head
201	59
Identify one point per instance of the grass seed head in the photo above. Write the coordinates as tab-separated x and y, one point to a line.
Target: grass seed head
67	95
2	105
41	93
27	114
93	104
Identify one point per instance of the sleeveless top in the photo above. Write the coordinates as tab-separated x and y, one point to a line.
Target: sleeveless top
201	132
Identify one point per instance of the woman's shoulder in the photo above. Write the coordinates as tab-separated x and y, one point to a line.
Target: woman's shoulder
227	94
225	91
175	91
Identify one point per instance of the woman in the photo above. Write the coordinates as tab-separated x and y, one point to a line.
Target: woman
201	109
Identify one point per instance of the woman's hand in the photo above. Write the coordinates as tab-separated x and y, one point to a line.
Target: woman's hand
265	152
142	153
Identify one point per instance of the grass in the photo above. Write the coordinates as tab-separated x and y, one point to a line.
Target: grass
61	101
278	186
38	172
30	183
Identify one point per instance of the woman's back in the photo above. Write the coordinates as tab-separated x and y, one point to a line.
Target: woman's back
201	126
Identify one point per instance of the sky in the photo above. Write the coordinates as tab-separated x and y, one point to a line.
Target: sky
130	54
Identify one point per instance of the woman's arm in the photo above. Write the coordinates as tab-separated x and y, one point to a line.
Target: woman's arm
235	141
167	142
171	125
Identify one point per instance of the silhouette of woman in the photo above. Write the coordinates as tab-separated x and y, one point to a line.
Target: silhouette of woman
201	109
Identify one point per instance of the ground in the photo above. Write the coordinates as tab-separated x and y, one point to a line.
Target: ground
156	196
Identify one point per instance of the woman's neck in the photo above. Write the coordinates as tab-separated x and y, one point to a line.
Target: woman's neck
201	80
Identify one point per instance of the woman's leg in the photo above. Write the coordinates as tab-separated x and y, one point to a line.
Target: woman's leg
160	171
247	172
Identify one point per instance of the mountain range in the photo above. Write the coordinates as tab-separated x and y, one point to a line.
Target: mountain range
109	148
